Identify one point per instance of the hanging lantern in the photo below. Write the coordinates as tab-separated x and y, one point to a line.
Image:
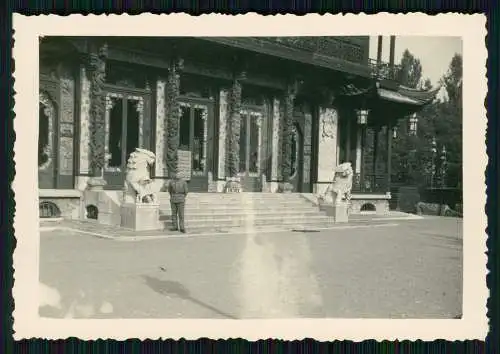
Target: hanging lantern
362	116
434	146
413	124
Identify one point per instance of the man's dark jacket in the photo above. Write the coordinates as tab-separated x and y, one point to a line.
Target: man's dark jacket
178	190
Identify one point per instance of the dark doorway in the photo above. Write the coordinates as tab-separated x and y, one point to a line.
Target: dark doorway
125	119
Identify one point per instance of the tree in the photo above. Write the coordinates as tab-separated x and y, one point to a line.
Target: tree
411	70
412	155
452	81
406	167
449	124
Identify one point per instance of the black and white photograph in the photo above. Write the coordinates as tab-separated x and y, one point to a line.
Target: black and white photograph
251	177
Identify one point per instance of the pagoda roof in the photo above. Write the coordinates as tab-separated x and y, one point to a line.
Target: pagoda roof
406	95
397	94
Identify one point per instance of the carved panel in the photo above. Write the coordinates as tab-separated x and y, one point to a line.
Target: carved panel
161	130
66	124
66	156
223	110
47	148
276	140
327	46
328	151
84	121
307	146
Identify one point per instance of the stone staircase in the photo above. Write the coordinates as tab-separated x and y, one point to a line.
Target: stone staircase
221	211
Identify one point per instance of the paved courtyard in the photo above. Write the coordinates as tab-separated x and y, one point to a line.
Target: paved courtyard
398	269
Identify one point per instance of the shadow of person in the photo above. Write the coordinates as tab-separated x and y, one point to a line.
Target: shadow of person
174	288
166	287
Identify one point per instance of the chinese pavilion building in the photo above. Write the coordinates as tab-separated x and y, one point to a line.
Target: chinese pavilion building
272	111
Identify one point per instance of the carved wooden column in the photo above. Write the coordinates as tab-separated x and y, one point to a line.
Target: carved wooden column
97	68
161	130
172	115
376	133
362	117
287	132
389	157
233	135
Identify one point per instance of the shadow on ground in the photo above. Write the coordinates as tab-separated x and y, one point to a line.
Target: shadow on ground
174	288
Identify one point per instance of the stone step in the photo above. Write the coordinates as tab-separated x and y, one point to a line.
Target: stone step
208	200
242	207
236	203
251	214
208	229
241	196
223	222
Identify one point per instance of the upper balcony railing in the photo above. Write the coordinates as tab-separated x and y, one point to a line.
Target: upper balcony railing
384	71
328	46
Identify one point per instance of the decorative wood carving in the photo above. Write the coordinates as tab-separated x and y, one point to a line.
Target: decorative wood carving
276	140
334	53
287	131
307	146
84	121
223	130
66	121
295	166
97	68
233	128
173	112
47	148
161	130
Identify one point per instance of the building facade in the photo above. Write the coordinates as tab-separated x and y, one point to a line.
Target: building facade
269	111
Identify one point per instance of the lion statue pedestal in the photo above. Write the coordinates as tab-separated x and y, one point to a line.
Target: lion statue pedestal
335	200
140	210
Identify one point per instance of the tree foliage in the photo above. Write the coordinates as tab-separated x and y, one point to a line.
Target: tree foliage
442	120
411	70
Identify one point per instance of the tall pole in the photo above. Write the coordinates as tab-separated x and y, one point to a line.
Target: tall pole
389	156
379	49
373	182
433	163
392	48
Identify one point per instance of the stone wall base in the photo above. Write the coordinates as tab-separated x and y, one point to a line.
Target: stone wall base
68	201
107	203
70	208
380	206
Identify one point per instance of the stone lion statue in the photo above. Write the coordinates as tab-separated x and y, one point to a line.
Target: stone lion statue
341	186
138	183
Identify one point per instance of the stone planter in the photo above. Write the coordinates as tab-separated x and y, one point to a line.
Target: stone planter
285	187
96	184
232	185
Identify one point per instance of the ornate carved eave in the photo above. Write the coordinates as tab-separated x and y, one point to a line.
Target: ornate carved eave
274	48
408	96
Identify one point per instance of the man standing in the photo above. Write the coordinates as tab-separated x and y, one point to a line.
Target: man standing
178	190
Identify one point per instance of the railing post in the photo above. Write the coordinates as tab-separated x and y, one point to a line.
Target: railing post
389	157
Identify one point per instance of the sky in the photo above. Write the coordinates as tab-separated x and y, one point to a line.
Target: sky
435	53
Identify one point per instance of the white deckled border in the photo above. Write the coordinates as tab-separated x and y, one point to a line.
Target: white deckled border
474	323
